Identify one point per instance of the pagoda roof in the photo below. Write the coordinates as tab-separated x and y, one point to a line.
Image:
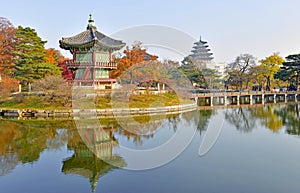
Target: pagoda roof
200	46
201	54
201	57
91	38
201	51
200	42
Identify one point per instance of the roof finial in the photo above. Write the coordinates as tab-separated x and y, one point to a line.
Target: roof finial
91	22
91	18
200	38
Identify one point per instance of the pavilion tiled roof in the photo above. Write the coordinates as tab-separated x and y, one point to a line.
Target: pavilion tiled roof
91	38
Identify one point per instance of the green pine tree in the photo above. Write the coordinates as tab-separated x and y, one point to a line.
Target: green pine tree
30	57
290	70
190	70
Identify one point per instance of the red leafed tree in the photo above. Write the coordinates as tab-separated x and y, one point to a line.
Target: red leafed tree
66	73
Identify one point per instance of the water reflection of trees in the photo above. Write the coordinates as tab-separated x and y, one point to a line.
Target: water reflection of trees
8	162
289	115
267	116
145	127
241	118
138	130
273	116
22	143
200	118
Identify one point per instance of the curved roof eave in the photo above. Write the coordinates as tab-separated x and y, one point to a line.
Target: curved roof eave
91	43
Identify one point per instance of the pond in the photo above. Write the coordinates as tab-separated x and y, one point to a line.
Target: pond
257	150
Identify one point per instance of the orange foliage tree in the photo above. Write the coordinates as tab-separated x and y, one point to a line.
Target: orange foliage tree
7	46
130	62
8	85
54	56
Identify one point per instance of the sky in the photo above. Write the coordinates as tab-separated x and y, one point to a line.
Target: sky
231	27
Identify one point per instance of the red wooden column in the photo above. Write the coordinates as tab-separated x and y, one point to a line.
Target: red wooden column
94	57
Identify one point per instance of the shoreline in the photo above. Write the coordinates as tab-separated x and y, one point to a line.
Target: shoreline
95	113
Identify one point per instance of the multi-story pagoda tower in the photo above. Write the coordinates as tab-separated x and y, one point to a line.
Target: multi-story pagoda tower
92	57
201	52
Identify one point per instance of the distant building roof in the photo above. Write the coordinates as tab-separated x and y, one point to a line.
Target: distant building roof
201	52
91	38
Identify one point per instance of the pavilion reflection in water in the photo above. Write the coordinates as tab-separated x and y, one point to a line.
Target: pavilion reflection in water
89	145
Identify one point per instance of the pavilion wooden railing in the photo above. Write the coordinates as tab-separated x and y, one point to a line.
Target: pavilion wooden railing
76	64
103	80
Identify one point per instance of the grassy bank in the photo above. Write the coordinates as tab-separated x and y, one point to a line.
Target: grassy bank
60	103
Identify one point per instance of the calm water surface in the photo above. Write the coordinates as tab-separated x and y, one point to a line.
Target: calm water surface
257	151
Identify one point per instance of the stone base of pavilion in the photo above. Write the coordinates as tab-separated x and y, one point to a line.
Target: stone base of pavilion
105	84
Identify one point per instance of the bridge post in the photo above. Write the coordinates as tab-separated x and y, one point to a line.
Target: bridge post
275	98
251	99
285	98
238	100
262	99
211	101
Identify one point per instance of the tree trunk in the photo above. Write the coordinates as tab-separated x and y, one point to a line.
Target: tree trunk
29	87
247	84
241	84
268	84
131	77
241	80
297	80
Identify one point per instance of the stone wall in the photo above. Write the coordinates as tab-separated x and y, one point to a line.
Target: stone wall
96	113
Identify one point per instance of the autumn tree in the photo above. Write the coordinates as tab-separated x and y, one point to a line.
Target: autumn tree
290	70
66	73
30	57
133	57
7	86
54	56
256	75
270	66
7	46
238	69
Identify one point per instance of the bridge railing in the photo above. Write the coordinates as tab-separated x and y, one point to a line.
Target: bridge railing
235	93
